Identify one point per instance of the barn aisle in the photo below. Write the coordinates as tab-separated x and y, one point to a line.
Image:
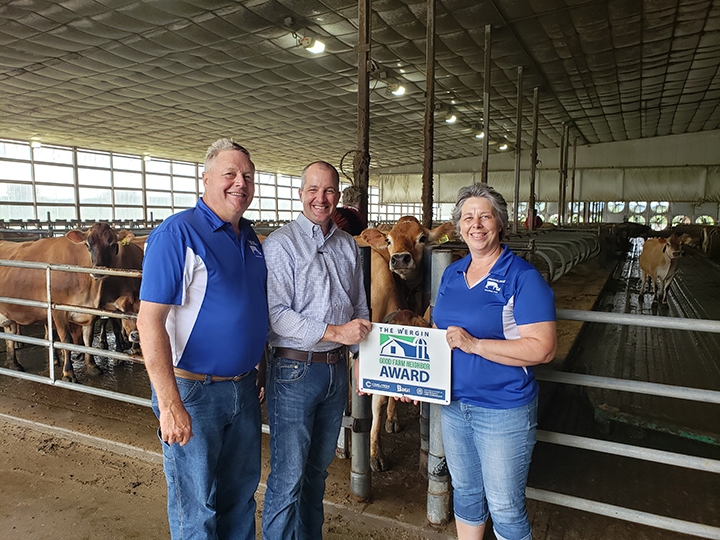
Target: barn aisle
674	357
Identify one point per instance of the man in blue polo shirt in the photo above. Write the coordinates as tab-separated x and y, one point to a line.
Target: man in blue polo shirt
203	322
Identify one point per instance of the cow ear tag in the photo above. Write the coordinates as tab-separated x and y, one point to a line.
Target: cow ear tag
443	239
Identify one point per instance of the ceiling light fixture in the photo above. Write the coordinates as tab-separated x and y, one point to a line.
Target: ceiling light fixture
503	147
450	118
396	89
36	144
479	134
312	45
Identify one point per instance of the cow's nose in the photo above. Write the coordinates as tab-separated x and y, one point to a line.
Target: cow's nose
401	260
134	337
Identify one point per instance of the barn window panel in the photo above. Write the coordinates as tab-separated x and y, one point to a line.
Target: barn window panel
285	216
14	150
181	183
96	212
636	207
16	193
265	178
95	196
11	170
55	194
128	213
94	177
57	212
157	166
158	198
252	215
183	169
93	159
157	181
123	196
284	192
284	204
128	163
553	219
705	220
658	223
159	213
615	207
53	155
127	180
16	211
637	219
267	216
186	200
56	174
284	180
659	207
267	204
297	205
267	191
255	204
681	220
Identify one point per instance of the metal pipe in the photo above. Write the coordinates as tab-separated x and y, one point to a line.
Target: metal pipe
438	498
518	138
486	105
561	214
361	163
638	387
626	514
51	350
71	268
361	410
652	321
626	450
429	125
533	157
572	181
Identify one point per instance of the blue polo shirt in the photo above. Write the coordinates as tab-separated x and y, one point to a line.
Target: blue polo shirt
511	295
216	284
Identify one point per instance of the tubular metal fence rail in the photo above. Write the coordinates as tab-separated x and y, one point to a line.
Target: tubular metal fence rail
627	514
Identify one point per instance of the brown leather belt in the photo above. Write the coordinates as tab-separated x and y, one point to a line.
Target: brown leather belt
329	357
181	373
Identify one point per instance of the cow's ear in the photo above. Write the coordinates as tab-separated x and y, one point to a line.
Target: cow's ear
125	237
76	236
442	233
374	238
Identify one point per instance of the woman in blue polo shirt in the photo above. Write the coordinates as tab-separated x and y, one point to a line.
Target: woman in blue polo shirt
500	318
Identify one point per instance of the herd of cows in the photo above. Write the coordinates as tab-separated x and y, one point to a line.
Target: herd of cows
397	274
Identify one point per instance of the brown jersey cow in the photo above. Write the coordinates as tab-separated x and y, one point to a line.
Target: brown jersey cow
659	260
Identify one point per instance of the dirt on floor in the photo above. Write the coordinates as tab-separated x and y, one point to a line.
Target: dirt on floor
55	484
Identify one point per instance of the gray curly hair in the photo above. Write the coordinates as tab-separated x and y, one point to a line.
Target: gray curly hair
481	190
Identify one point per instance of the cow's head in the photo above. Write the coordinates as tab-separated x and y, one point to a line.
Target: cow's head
405	244
129	303
101	241
674	243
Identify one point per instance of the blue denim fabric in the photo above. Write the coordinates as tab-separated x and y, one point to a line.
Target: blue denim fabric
488	453
213	478
305	408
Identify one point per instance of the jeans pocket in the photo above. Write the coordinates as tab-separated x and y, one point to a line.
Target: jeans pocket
187	389
287	370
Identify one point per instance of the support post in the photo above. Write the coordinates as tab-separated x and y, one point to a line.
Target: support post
361	163
360	475
518	138
429	126
561	179
486	105
572	182
438	498
533	158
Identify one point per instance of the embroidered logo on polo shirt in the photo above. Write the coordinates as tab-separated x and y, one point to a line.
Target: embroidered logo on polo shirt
493	285
255	248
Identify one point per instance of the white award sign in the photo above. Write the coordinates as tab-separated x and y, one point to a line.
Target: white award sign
410	361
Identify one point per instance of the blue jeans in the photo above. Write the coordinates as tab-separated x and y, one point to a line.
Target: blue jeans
213	478
305	407
488	454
